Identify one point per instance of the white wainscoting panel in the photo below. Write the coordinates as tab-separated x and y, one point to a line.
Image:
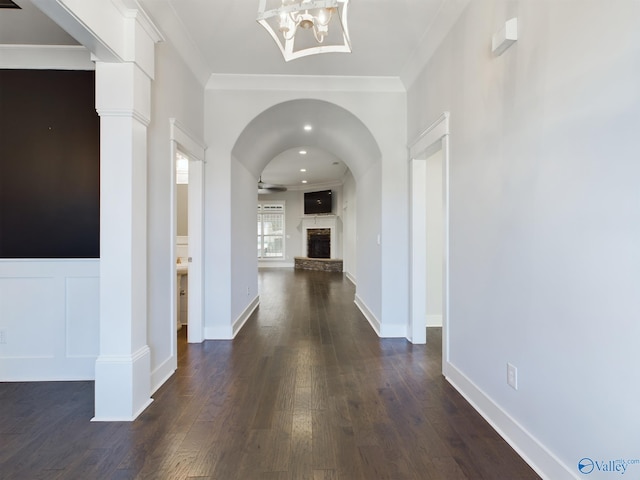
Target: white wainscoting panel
82	316
49	319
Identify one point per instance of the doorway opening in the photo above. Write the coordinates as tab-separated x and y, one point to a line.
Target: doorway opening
430	234
187	192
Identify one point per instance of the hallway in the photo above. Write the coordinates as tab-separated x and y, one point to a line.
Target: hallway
305	391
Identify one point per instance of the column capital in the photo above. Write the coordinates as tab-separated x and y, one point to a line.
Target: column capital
123	90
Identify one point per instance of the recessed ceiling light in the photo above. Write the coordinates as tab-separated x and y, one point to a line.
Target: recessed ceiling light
303	169
304	181
308	128
302	152
336	163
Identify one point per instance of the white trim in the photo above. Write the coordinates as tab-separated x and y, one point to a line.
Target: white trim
431	140
396	330
162	374
434	320
189	142
141	18
244	316
123	391
543	461
351	278
46	57
218	333
429	136
127	113
184	140
264	263
195	251
179	39
416	330
124	418
368	314
324	83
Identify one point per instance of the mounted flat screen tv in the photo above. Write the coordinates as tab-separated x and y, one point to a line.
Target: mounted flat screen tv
318	202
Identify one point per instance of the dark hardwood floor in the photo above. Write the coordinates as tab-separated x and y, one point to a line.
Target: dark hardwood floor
305	391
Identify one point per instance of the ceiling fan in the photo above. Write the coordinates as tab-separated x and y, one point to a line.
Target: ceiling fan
269	188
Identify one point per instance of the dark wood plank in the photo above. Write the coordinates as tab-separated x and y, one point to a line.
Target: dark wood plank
306	391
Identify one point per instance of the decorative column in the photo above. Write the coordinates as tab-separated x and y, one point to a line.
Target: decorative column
122	388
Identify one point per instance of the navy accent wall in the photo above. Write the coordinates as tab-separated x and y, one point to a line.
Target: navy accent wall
49	165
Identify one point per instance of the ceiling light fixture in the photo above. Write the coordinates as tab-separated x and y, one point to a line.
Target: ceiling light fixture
307	128
302	152
306	27
303	170
304	181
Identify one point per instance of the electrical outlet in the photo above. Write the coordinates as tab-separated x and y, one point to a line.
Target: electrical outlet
3	336
512	376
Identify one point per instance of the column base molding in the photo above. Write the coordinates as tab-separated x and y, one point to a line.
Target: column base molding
122	386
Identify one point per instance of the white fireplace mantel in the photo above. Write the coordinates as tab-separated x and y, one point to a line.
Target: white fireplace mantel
320	221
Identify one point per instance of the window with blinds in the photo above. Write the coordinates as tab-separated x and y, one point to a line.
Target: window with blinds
271	230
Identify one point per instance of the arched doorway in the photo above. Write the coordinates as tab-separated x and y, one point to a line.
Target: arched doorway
333	129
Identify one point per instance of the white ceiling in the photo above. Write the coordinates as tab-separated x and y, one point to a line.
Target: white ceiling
321	168
389	38
384	34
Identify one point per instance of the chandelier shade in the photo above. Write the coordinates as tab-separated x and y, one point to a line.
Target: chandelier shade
306	27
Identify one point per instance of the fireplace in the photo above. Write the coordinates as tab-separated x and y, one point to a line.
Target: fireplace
319	243
319	237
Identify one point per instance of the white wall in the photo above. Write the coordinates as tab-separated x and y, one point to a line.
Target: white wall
244	266
368	249
175	94
349	217
544	223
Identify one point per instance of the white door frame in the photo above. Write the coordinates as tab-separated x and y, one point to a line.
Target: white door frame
182	140
433	139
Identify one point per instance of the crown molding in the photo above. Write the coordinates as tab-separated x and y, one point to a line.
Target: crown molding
324	83
45	57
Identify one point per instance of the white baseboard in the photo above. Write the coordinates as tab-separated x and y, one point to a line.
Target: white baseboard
218	333
161	374
244	316
275	265
225	332
434	320
350	277
123	418
393	331
371	318
547	465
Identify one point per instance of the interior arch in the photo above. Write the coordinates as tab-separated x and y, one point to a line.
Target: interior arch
280	128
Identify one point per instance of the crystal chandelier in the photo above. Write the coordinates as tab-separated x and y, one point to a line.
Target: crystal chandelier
306	27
